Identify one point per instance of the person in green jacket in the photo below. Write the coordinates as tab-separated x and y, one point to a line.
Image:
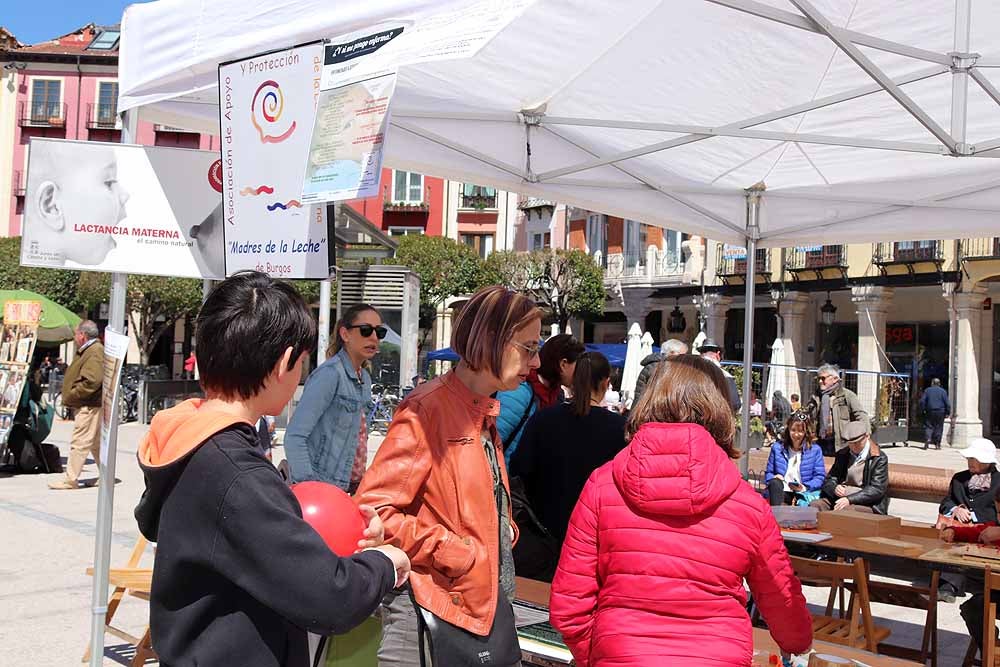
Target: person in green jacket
82	392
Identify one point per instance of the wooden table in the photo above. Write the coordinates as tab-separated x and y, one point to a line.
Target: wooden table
927	552
537	593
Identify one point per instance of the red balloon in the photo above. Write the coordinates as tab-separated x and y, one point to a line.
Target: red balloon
333	514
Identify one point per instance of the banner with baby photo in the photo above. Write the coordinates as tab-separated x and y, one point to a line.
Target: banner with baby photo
120	208
17	345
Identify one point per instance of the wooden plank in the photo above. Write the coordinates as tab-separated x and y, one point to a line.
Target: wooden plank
897	547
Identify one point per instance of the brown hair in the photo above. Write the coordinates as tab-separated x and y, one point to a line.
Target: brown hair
592	368
688	390
350	317
557	348
487	323
801	417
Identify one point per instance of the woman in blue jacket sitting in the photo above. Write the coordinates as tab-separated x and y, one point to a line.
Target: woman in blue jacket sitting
795	466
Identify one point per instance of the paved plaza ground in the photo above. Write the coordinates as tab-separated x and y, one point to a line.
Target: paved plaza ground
48	543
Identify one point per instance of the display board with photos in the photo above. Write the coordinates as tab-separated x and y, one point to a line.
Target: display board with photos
17	348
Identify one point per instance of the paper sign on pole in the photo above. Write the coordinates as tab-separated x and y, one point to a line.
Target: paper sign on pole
121	208
268	106
348	141
17	346
115	349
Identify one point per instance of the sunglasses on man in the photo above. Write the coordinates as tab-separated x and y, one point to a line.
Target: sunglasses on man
367	330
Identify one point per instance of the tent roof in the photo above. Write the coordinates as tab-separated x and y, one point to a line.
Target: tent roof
665	112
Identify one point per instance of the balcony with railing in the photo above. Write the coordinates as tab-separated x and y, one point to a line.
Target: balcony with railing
42	114
478	197
645	267
730	264
103	116
984	248
18	185
816	259
908	253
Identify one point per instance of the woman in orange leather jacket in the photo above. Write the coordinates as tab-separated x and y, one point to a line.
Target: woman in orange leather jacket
439	481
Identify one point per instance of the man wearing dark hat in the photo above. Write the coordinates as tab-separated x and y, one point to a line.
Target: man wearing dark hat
859	478
710	350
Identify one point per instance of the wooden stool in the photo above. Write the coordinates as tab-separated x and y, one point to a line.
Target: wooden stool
856	631
136	582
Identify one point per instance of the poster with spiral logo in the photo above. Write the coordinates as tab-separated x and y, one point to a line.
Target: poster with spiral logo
267	105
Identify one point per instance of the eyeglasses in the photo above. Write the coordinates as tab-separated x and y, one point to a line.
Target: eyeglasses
823	378
367	330
532	350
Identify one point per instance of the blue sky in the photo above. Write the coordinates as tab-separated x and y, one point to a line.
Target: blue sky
33	22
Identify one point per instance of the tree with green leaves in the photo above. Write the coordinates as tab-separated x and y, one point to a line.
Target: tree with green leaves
566	283
154	304
59	285
446	269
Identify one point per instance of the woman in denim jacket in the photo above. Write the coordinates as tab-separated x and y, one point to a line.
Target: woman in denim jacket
326	439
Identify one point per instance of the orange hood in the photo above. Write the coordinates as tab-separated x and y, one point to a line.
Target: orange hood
178	431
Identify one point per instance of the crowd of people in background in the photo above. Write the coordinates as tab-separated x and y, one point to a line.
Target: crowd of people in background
621	512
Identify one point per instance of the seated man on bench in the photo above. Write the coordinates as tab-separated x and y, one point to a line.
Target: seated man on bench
859	478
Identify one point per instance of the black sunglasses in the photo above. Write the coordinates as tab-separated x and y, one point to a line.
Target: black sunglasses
367	330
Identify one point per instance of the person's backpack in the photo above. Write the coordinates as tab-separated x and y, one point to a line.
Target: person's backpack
32	424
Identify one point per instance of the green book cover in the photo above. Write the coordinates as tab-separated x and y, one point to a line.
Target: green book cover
542	632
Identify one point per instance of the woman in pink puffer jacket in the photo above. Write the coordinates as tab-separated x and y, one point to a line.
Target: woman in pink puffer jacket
664	536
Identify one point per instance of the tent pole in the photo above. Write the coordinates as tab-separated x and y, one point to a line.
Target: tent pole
106	472
960	71
323	339
753	211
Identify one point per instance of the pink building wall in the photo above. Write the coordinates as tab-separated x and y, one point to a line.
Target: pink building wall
78	98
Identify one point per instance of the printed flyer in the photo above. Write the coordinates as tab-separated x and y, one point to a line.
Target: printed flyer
348	141
115	349
268	107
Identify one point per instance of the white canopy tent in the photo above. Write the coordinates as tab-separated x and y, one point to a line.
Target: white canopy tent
757	123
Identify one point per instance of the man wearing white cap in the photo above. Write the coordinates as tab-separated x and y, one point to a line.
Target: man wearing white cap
972	492
982	457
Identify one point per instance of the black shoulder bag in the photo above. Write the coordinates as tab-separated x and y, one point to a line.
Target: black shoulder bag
451	646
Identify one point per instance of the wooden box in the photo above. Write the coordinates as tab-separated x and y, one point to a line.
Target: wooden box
859	524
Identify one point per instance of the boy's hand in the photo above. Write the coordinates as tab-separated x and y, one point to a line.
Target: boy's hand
781	477
842	504
840	491
990	535
399	560
375	532
948	535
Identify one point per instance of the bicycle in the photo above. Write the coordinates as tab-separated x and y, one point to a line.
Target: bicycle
385	400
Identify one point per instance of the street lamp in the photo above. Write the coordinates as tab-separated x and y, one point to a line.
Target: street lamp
827	312
676	323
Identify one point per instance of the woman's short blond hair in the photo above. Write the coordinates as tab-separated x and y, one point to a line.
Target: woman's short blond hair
487	323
